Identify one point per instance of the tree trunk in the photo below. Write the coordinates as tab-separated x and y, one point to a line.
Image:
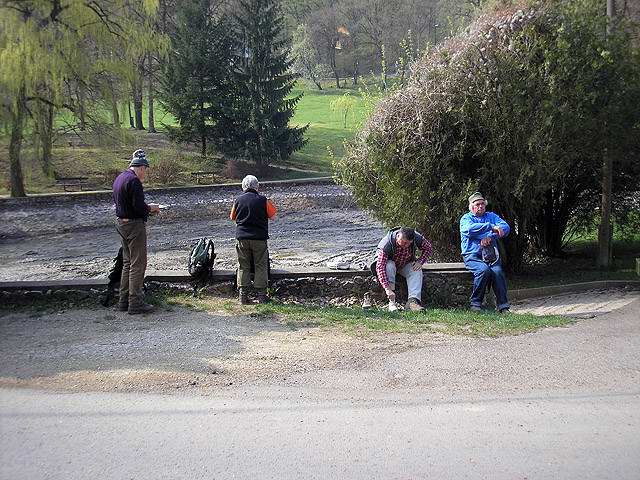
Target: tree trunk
383	66
332	63
605	240
115	114
15	144
81	107
131	124
604	230
151	120
137	104
356	72
46	138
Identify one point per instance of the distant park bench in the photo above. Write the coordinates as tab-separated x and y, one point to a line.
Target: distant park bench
72	182
199	175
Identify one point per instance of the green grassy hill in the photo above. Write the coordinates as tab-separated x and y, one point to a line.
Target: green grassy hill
333	117
327	130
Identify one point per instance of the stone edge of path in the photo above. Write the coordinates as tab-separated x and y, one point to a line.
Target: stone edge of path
226	275
550	290
39	197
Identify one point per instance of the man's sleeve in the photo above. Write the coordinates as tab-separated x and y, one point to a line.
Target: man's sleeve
140	208
233	213
499	222
271	209
381	269
473	229
426	249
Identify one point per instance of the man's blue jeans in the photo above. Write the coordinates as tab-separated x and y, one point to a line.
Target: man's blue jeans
483	276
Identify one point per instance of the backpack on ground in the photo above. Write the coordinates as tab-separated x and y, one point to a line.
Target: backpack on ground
201	259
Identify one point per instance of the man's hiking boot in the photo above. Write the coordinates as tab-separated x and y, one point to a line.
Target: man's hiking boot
261	295
413	305
366	301
243	296
141	308
123	306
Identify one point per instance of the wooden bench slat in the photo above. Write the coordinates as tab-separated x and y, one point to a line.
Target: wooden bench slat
71	182
199	174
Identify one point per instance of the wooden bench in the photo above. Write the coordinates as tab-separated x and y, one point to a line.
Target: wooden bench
199	175
72	182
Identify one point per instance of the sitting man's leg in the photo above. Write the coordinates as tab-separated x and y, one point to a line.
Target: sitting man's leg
414	287
499	282
391	277
481	276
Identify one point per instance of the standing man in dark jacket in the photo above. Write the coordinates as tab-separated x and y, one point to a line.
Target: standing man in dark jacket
132	213
251	212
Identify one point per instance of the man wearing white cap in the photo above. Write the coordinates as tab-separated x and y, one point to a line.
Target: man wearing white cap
251	212
132	213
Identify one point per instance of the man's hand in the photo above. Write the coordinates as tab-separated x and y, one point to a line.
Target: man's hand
154	208
416	266
498	230
485	242
390	294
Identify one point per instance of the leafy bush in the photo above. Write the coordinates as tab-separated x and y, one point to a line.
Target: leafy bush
521	106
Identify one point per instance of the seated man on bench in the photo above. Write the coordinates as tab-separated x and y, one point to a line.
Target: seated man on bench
479	231
396	253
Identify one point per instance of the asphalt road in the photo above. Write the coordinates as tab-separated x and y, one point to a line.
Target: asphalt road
111	436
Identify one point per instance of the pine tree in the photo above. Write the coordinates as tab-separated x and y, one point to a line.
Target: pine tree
196	83
264	81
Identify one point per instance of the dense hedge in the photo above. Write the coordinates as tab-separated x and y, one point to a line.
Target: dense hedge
522	106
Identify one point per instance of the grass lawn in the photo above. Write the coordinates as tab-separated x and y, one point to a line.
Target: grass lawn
327	131
355	320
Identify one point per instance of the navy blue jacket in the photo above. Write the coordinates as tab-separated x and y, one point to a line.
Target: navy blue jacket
128	196
252	221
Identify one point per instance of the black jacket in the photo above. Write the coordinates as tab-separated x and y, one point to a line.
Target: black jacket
252	222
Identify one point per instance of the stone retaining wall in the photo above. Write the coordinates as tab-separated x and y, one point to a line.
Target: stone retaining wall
446	289
439	289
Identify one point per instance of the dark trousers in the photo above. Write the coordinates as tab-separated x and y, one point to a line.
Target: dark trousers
256	252
134	260
483	275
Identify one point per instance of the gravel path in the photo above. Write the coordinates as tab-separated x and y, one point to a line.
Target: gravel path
70	239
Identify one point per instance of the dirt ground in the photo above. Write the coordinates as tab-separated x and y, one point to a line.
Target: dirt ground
64	239
175	350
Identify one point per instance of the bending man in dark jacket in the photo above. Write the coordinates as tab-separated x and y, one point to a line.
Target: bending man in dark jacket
132	213
251	212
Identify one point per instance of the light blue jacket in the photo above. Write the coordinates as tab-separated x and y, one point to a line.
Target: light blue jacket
473	229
